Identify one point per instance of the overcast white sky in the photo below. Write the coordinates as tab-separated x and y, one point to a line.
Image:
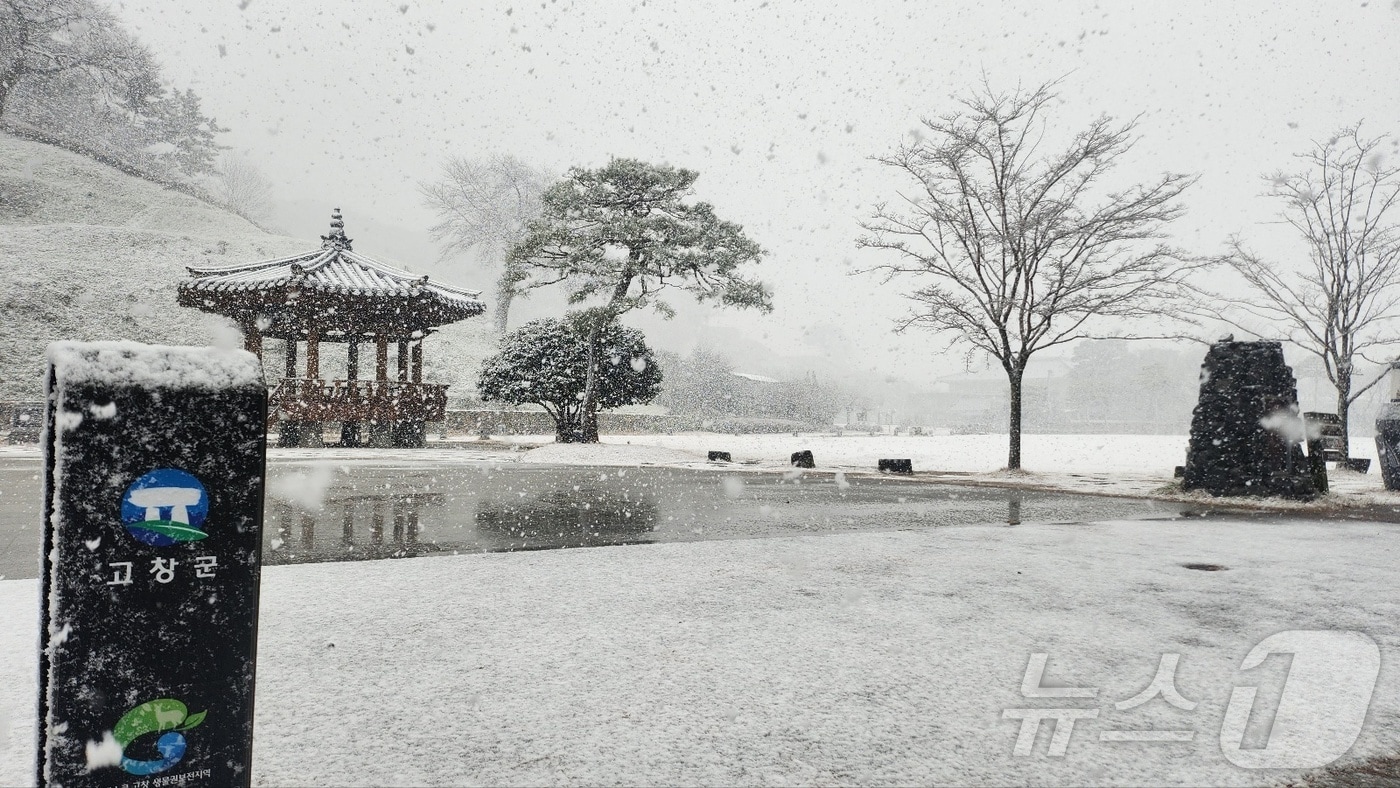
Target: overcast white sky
777	104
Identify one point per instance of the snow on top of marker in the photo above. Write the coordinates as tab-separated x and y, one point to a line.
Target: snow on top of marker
154	366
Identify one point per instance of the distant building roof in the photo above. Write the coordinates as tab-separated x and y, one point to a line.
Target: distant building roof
332	273
755	378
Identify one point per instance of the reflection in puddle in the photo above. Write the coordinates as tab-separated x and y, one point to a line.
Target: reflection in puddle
371	512
362	520
573	518
392	525
367	511
1013	507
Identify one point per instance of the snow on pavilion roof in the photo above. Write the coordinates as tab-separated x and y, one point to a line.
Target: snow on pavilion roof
334	268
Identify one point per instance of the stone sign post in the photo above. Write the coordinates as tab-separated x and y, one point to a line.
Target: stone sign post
1388	443
1388	432
1246	434
154	469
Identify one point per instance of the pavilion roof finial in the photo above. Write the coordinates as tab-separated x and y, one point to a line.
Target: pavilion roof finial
336	238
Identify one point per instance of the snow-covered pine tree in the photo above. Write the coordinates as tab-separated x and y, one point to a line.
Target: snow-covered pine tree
617	236
71	75
545	362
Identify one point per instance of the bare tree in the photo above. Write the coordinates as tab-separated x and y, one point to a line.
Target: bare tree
486	205
241	187
1018	249
1342	302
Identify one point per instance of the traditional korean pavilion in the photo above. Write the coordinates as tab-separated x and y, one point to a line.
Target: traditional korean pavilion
334	294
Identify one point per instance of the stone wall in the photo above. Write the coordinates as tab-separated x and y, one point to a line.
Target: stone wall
537	422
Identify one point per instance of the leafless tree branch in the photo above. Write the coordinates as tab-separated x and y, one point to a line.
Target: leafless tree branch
1343	300
485	205
1017	250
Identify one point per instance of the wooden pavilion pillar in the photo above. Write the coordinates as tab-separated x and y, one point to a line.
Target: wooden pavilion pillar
403	361
291	344
313	354
380	429
417	351
252	339
305	434
350	428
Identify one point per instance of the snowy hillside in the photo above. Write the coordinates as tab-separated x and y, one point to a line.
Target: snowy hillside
88	252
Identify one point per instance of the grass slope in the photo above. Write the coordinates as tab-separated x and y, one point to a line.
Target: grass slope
88	252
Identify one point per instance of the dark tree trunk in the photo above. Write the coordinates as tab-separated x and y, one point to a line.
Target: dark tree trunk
1344	412
566	427
505	293
588	408
588	427
1014	378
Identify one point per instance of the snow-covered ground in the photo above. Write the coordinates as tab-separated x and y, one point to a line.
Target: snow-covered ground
1137	454
1132	465
884	658
846	658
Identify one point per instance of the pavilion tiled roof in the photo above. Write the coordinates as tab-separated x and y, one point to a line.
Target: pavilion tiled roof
334	268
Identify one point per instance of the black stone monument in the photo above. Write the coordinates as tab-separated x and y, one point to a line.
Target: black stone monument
154	469
1246	434
1388	443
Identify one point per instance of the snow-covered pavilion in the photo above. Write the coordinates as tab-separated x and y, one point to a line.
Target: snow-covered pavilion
334	294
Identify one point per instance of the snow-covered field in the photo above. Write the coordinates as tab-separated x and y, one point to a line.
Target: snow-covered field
884	658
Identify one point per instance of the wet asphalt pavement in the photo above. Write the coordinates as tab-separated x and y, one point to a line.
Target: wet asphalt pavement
329	511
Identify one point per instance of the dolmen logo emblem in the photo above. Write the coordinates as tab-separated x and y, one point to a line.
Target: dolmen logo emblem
166	716
165	507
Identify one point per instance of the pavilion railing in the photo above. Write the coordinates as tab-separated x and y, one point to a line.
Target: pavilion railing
314	399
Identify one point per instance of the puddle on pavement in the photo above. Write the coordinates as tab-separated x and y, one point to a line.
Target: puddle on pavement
370	512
